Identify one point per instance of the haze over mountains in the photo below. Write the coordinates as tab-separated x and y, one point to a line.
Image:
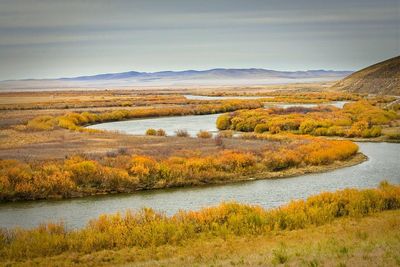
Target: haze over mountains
178	78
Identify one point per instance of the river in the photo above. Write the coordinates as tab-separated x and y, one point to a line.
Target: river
192	124
383	163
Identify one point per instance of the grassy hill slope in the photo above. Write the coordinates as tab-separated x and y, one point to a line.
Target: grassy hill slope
380	78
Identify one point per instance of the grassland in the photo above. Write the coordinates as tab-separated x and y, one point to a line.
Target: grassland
346	228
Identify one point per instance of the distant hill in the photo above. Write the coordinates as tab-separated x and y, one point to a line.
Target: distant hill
380	78
220	76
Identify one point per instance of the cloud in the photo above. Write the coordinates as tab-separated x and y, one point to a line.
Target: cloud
150	33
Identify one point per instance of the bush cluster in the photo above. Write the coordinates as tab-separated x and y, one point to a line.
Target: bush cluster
358	119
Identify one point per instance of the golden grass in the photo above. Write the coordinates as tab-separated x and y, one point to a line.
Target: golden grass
326	229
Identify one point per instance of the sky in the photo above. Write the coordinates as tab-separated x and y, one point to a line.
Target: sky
52	38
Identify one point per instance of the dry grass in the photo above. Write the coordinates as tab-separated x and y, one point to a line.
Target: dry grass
58	144
373	240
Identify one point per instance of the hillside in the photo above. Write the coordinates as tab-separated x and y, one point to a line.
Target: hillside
380	78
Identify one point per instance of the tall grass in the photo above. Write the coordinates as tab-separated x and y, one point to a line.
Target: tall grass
147	228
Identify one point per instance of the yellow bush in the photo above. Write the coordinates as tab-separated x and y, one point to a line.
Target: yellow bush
151	131
361	116
223	122
42	123
204	134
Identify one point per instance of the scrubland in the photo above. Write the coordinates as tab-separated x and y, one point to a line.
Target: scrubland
46	152
122	172
55	156
362	118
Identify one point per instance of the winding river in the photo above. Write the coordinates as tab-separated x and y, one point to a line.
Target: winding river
192	124
383	163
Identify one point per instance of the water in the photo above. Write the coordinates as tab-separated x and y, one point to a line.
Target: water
192	123
202	97
383	163
169	124
338	104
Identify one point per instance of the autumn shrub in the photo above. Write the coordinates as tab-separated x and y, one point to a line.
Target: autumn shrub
161	132
121	172
335	131
76	121
204	134
42	123
83	172
23	181
147	228
223	122
225	134
151	131
393	136
261	128
358	119
182	133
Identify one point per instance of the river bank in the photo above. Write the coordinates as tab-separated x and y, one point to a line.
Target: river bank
287	173
146	231
369	241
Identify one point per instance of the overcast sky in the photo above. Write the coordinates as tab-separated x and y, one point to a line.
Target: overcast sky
51	38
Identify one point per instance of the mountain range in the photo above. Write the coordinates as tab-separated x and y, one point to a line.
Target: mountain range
220	76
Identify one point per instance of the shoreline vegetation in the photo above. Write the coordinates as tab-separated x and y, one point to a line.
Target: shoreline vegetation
356	119
78	176
106	239
77	121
